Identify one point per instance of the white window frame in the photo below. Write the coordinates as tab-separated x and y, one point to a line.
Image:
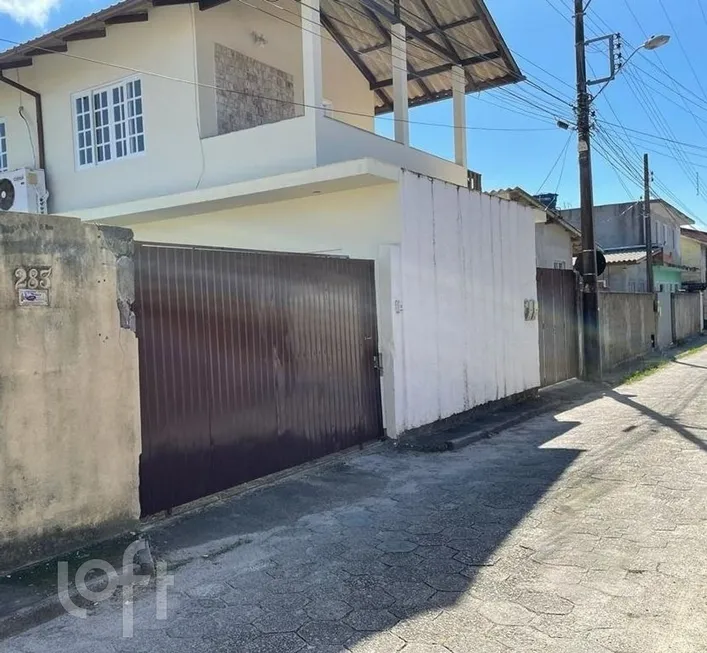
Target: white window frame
127	139
4	157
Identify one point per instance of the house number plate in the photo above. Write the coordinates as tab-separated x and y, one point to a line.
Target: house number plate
32	285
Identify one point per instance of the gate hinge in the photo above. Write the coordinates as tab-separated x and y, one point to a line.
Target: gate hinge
378	363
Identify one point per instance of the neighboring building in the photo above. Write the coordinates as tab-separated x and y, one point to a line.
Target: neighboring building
555	237
619	231
251	126
693	245
694	256
626	270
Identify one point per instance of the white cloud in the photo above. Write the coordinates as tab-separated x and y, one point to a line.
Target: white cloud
29	11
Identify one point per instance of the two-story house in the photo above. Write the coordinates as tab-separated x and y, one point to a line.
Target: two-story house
619	231
250	125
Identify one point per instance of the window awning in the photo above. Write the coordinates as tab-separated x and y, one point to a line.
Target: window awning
441	34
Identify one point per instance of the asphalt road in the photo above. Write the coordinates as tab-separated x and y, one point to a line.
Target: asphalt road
582	531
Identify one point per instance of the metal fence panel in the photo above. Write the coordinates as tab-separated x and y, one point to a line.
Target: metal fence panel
250	363
559	337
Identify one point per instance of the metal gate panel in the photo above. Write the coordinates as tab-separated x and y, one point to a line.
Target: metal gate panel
250	363
558	325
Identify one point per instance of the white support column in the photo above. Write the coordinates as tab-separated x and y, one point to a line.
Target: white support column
400	83
459	102
311	56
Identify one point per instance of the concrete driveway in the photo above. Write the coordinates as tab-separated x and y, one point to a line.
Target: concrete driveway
582	531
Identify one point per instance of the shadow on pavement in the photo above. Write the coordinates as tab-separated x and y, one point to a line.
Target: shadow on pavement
334	557
662	419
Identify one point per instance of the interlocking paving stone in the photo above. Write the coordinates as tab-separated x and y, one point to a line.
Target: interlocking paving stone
568	534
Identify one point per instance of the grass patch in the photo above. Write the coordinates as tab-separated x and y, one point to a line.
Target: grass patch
651	367
689	352
648	370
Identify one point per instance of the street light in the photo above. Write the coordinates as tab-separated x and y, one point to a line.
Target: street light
590	287
653	43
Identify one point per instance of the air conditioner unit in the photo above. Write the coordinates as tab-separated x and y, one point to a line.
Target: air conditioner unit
23	191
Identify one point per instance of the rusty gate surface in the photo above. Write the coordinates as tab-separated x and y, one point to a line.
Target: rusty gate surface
249	363
558	325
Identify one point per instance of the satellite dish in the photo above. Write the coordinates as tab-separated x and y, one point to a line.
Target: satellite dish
601	263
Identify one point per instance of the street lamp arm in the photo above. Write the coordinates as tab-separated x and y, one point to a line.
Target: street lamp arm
653	43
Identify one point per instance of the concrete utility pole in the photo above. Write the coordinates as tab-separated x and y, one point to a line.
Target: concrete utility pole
590	294
647	222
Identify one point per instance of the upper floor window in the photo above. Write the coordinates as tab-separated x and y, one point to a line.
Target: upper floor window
109	123
3	146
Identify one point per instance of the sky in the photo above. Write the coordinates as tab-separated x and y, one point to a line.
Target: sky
513	139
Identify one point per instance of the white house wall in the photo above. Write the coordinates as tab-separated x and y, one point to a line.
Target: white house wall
175	50
553	245
172	160
337	141
467	265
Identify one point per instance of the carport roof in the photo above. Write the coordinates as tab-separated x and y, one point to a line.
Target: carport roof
441	33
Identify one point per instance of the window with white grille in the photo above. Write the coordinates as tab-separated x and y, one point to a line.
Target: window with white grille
3	146
109	123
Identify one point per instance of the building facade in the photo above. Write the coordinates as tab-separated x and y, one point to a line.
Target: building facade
620	232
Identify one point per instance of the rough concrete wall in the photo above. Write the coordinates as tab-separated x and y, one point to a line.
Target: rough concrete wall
69	394
615	225
626	322
687	315
665	319
243	85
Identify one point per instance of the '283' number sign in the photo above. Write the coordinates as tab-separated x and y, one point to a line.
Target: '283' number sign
33	278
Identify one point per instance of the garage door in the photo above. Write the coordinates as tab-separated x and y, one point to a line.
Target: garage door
250	363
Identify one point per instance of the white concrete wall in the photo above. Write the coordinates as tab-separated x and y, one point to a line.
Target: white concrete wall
467	264
553	244
337	141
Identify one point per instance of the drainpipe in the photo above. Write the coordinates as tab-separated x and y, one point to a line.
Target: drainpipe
38	110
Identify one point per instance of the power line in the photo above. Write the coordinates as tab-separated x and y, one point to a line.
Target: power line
551	111
685	103
648	134
554	165
656	117
486	58
180	80
562	169
684	52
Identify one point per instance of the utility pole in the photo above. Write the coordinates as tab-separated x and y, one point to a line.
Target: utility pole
647	222
590	294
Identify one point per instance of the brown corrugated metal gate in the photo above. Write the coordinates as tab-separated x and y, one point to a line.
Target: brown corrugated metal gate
249	363
558	325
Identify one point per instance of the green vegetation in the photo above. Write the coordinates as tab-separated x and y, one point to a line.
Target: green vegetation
652	366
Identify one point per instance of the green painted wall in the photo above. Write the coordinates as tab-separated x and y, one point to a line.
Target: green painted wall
667	276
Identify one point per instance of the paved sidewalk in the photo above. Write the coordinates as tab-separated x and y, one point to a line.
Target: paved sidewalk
583	531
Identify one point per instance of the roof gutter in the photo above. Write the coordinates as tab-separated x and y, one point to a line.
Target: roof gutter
40	116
